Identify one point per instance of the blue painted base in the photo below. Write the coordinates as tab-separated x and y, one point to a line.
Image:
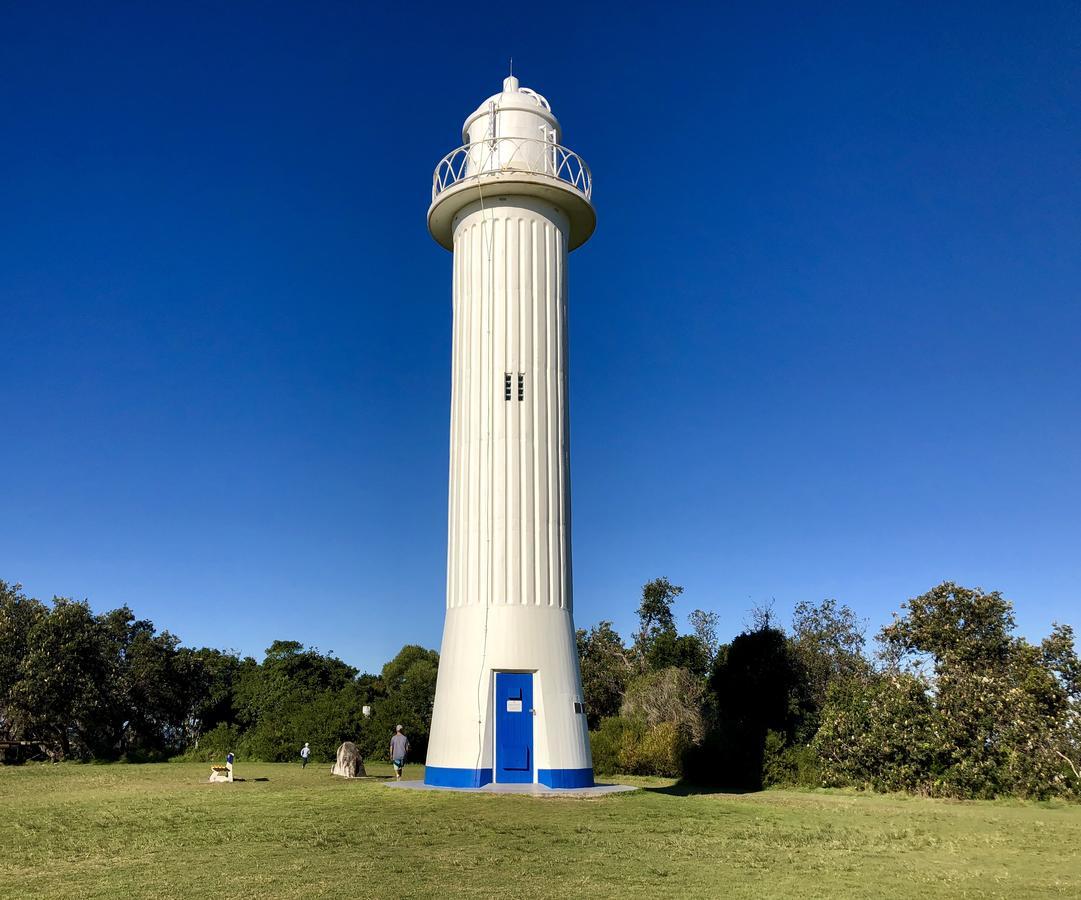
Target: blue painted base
441	776
566	778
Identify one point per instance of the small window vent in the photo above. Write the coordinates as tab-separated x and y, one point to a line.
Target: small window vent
521	385
506	385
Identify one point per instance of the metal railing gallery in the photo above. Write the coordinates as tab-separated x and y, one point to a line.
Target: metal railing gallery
494	156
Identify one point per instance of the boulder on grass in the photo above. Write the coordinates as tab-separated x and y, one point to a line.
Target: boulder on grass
350	763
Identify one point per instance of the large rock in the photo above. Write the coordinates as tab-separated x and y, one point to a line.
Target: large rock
350	763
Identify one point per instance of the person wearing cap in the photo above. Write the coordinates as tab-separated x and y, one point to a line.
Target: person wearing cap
305	752
399	747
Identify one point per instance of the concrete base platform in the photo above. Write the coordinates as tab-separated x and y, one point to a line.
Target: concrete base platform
530	790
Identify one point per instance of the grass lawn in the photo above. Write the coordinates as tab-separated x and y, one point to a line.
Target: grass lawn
161	831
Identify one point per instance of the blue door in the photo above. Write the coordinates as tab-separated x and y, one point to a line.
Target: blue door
514	727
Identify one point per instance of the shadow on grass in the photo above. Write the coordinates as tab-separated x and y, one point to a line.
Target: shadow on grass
686	789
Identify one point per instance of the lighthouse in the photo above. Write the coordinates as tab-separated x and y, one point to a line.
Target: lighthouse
510	204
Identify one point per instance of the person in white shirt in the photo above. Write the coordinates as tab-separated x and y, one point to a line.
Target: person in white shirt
304	754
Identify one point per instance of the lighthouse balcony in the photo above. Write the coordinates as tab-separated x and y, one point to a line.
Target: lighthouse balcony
498	156
491	169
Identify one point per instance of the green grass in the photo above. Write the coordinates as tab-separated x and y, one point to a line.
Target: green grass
161	831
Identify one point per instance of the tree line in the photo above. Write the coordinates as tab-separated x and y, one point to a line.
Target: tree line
949	702
85	686
952	702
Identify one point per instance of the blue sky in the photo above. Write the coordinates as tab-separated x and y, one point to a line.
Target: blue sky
826	340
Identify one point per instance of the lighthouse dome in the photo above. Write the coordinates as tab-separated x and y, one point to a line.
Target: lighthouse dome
515	112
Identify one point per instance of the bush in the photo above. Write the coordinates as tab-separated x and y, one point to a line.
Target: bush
609	740
660	752
626	745
789	764
724	759
883	734
670	696
213	745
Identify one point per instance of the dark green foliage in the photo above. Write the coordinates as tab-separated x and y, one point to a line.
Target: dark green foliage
627	744
608	740
212	676
65	694
406	697
755	685
958	705
299	696
681	651
93	687
109	686
215	744
784	763
963	709
655	610
879	733
655	618
606	667
951	625
827	647
296	696
19	616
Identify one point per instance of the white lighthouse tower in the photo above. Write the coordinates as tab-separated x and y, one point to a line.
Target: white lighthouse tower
510	204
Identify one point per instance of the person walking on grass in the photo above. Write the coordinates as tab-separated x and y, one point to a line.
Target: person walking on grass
399	747
305	752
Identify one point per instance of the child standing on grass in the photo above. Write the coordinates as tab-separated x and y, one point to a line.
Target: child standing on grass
305	752
399	747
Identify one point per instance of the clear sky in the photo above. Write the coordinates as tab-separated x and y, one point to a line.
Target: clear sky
826	340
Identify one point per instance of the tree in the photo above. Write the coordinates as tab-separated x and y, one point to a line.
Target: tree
680	651
879	733
398	672
655	615
19	615
297	695
704	624
1006	717
605	667
408	695
211	677
948	625
156	694
754	682
827	645
66	692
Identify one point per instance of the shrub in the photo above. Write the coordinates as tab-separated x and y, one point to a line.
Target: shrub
882	733
213	745
724	759
626	745
611	740
660	751
789	764
669	696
